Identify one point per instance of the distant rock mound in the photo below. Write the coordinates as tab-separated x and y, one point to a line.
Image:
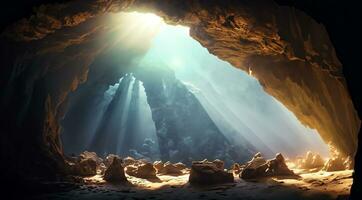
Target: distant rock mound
169	168
258	167
310	161
207	173
115	171
145	171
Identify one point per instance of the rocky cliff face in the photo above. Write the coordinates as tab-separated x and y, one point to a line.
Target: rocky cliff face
184	129
48	55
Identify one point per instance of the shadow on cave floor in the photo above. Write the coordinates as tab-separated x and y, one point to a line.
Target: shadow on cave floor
316	186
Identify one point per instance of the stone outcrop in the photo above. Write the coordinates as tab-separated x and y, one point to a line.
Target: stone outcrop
169	168
311	161
207	173
84	167
258	167
91	155
337	161
115	172
145	171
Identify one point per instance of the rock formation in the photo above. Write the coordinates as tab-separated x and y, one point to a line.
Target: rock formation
145	171
84	167
184	129
310	161
258	167
207	173
169	168
115	172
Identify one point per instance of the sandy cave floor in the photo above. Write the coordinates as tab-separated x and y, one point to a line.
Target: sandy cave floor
317	185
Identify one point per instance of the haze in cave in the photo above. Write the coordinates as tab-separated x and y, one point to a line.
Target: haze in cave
173	99
103	102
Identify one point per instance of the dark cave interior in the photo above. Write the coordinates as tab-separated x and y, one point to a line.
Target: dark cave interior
58	71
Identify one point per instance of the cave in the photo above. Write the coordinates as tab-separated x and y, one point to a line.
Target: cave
169	87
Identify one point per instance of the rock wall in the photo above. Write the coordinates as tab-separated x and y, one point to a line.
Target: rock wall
184	129
47	55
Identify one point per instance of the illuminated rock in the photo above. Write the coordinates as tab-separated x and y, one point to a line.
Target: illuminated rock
146	171
278	167
115	171
169	168
158	165
258	167
172	169
311	161
206	173
337	161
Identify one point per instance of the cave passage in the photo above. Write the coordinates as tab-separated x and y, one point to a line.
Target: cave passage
173	100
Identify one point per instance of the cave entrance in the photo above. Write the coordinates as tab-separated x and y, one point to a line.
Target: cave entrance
158	94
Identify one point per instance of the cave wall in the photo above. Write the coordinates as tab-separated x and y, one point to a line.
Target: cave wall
288	52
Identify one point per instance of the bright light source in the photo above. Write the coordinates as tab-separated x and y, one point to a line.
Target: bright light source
149	19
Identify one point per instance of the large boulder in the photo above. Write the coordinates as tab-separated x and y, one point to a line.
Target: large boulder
145	171
278	167
91	155
258	167
169	168
115	171
206	173
85	167
172	169
311	161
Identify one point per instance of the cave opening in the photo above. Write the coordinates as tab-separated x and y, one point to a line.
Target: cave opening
153	103
170	100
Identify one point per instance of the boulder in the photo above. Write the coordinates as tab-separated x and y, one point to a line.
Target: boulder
311	161
109	159
115	171
85	167
258	167
145	171
278	167
335	164
168	168
206	173
91	155
172	169
158	165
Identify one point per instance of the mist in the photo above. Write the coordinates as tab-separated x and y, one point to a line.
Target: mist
110	113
